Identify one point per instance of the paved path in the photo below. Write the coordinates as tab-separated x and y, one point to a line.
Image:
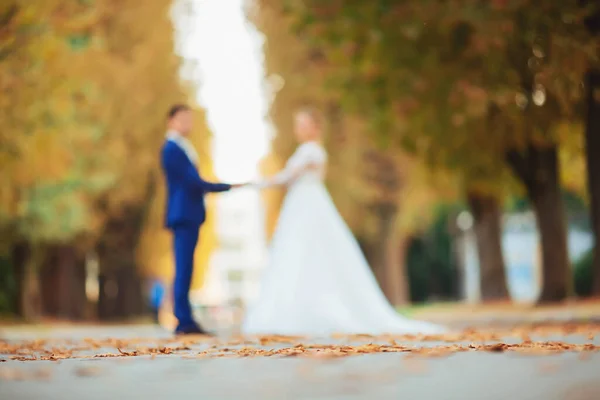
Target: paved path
460	376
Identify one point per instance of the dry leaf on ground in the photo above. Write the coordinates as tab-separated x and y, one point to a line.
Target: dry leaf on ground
490	340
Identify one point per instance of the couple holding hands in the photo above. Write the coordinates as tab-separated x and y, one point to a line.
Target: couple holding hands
317	282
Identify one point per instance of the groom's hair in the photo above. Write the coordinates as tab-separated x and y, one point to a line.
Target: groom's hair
176	109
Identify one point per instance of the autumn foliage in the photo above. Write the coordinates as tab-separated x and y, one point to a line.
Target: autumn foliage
84	89
491	94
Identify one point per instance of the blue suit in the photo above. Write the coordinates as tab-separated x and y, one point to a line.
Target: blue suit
185	213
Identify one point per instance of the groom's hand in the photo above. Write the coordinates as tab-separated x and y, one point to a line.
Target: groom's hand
239	185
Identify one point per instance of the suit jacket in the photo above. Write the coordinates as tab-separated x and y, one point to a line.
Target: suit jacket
185	188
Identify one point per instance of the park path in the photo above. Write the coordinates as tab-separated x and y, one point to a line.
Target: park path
451	375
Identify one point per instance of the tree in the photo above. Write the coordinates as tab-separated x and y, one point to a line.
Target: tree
488	218
130	50
356	55
397	60
297	70
44	77
85	89
592	139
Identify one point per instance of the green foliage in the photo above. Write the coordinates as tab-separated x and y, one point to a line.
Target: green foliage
457	83
584	275
79	42
486	89
574	203
419	271
8	287
84	89
358	165
431	262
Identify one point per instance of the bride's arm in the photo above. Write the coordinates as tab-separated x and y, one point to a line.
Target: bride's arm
290	173
286	176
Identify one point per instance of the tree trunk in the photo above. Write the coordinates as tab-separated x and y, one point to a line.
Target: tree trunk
119	281
63	283
364	247
381	170
120	289
396	270
551	224
492	273
388	264
384	218
108	289
19	254
131	296
592	136
538	168
26	260
377	262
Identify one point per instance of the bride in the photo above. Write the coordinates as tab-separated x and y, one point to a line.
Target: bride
318	281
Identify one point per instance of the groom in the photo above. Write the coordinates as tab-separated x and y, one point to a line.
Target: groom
185	209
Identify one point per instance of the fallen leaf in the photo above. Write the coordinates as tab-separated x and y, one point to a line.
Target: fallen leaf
21	358
127	353
107	355
497	348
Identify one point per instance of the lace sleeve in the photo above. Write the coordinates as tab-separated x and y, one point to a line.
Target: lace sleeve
306	157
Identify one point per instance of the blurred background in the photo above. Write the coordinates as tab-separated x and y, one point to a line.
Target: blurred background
463	137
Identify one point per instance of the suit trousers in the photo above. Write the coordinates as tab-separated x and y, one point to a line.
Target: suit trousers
185	239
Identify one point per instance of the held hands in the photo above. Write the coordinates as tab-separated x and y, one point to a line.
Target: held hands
313	166
246	185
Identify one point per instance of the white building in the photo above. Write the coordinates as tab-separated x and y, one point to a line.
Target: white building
237	262
520	243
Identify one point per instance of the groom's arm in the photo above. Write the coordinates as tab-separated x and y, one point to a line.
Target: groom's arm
214	187
176	166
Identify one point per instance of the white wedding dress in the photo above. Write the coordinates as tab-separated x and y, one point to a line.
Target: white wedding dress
317	281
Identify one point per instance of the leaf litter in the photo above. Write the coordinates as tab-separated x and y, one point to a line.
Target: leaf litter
337	346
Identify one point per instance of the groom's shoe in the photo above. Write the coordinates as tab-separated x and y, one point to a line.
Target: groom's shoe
192	330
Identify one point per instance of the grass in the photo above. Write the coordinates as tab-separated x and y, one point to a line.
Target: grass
578	309
48	324
414	309
461	311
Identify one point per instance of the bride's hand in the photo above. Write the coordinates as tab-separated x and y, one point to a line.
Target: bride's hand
250	185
